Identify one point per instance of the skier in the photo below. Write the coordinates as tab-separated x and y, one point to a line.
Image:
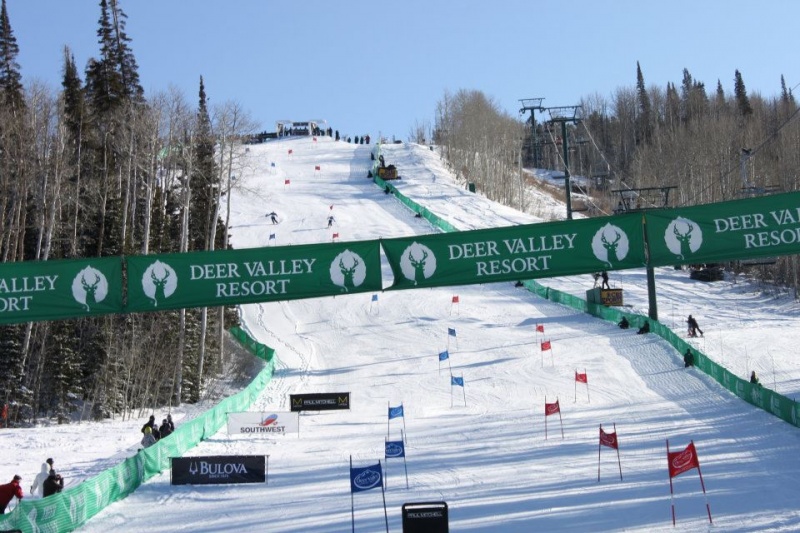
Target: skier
148	439
164	430
604	275
53	484
688	358
273	216
644	329
331	220
8	491
624	324
693	327
38	481
754	379
149	424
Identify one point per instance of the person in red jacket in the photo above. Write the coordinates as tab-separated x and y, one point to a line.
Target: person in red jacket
8	491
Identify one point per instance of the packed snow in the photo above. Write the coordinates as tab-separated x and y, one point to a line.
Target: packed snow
486	449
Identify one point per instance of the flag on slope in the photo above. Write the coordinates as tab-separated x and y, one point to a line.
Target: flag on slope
546	346
316	167
272	236
396	412
609	439
365	478
551	408
683	461
581	378
457	381
455	299
443	356
451	332
395	449
540	328
287	182
374	297
335	236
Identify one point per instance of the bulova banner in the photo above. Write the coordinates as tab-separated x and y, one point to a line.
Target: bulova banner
51	290
320	401
226	277
751	228
517	252
218	469
266	423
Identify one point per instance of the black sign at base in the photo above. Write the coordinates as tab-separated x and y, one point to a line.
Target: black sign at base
425	517
218	469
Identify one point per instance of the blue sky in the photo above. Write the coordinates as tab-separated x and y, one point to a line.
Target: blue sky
381	67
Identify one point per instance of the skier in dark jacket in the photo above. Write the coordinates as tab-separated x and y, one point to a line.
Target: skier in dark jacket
688	358
644	329
53	484
8	491
624	324
693	327
164	430
149	424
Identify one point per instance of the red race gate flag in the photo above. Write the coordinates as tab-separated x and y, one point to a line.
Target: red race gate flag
546	346
680	462
287	182
335	235
540	328
581	378
316	167
290	151
455	299
551	408
609	439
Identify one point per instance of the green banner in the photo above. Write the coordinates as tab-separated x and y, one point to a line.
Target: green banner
229	277
754	227
52	290
517	252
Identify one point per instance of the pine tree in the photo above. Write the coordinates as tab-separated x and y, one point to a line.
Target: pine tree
204	180
742	101
10	77
644	122
786	94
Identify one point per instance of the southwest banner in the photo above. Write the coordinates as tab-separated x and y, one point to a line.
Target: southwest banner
52	290
229	277
767	226
262	424
517	252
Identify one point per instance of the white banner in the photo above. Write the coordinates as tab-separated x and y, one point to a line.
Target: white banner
262	423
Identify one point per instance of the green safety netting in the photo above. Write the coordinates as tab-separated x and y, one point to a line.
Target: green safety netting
784	408
72	507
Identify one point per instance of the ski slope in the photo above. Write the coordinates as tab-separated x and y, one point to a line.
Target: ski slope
484	448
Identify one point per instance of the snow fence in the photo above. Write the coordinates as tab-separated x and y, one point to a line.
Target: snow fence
784	408
72	507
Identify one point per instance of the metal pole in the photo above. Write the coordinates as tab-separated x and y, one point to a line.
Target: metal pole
567	187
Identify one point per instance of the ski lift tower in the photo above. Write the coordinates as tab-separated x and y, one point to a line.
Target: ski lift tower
533	105
563	115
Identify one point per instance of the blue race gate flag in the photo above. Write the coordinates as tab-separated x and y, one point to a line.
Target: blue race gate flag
451	332
396	412
443	356
395	449
374	297
457	381
365	478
